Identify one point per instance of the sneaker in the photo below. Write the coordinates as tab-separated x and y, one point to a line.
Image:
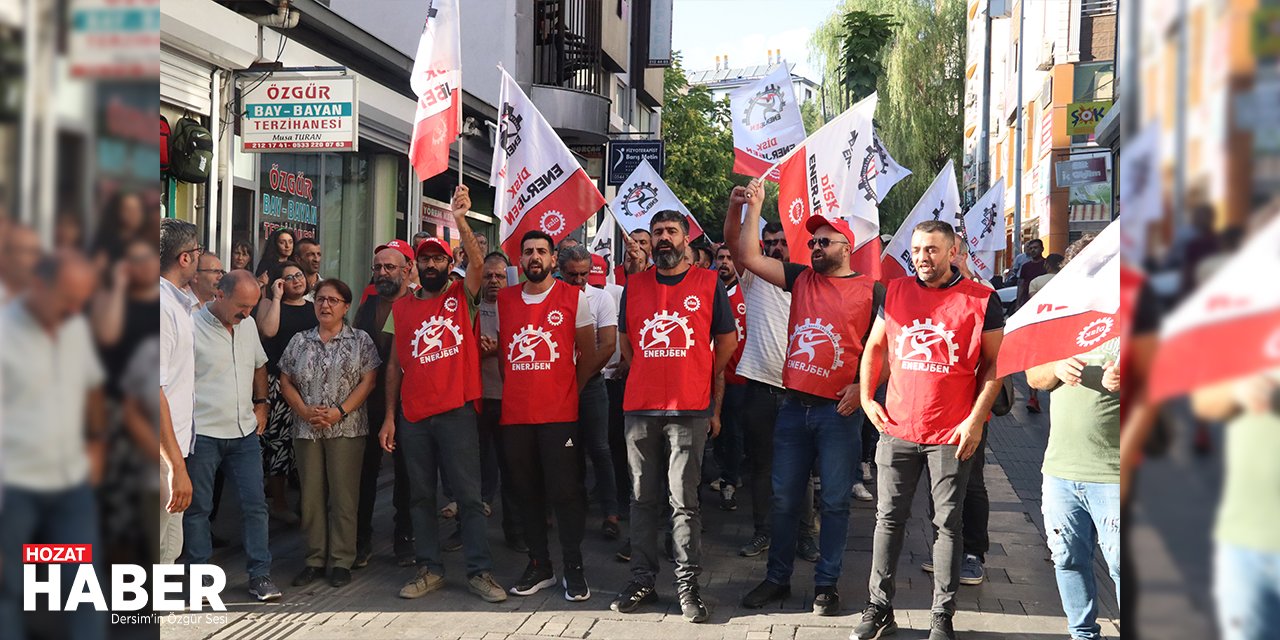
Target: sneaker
927	566
307	576
424	583
363	556
483	585
632	597
826	601
611	530
807	549
453	542
755	547
339	577
861	494
624	554
449	511
867	476
575	584
406	556
877	622
716	485
263	589
972	571
537	576
692	609
941	628
727	501
764	593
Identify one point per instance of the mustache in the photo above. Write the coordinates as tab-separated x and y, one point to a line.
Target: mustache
664	244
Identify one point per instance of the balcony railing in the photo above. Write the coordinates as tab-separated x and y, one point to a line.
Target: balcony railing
1097	7
567	45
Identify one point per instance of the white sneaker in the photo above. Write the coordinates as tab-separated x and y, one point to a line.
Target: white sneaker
861	494
867	477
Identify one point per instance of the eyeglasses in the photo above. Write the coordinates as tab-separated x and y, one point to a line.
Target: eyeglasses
824	242
293	276
198	250
389	268
330	301
221	272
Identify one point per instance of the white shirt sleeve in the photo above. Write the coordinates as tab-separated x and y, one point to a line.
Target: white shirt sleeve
168	344
585	318
604	309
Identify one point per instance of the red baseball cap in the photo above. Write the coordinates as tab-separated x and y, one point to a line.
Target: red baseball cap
818	222
599	271
437	244
398	245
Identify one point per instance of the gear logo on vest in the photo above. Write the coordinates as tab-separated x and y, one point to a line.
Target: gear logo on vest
1094	332
451	305
925	346
555	318
692	304
812	340
438	338
532	349
666	335
742	308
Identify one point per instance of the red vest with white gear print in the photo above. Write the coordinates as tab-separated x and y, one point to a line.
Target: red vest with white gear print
739	305
934	341
829	317
536	343
669	328
438	352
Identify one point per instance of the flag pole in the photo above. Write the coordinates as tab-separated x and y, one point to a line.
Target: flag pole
461	135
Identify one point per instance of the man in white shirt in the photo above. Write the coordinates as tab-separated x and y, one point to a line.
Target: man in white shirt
204	286
179	258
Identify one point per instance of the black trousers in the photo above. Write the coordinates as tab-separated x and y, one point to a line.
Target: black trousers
618	443
759	413
976	515
491	431
370	467
545	468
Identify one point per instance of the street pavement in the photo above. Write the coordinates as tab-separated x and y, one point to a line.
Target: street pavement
1018	600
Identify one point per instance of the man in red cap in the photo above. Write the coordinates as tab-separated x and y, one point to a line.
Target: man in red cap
392	263
434	372
820	422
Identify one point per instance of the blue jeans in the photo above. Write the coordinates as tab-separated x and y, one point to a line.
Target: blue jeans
451	438
805	436
1076	516
48	517
593	427
1246	588
728	445
241	460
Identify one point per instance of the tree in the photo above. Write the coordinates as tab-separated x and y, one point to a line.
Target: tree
920	112
865	35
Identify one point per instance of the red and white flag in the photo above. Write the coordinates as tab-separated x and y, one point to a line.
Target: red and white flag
984	224
891	172
437	82
1228	328
539	183
766	123
983	263
940	202
643	194
832	174
1073	314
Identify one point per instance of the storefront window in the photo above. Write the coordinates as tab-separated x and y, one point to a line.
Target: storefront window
346	229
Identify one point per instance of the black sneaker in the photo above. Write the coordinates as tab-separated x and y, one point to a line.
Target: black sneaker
727	500
764	593
406	556
537	576
339	577
610	530
755	547
877	622
807	549
941	629
624	554
692	609
263	589
575	584
307	576
826	601
453	542
632	597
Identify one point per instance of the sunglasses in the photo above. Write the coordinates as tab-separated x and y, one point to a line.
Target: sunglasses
824	242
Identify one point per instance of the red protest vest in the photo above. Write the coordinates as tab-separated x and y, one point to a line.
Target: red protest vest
934	340
739	305
540	383
669	328
829	317
438	353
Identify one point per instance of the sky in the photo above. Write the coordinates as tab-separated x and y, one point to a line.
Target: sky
746	30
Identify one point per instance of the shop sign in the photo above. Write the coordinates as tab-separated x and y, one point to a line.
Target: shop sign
290	194
1083	117
305	114
114	39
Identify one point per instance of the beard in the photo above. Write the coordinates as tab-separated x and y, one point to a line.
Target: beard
433	280
667	256
726	274
387	287
536	273
821	263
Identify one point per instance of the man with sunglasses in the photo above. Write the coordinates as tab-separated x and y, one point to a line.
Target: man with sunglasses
820	421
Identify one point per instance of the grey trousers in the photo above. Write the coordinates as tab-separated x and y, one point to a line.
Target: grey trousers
672	446
900	465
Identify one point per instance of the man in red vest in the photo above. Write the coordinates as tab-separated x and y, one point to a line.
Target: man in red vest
546	341
820	422
434	376
939	333
676	330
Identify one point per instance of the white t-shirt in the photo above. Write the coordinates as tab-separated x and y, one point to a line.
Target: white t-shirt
615	292
604	311
585	318
178	362
768	316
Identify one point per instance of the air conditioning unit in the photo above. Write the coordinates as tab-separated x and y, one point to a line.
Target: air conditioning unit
1000	8
1046	57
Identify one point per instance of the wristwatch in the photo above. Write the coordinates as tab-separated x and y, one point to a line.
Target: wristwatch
259	400
342	411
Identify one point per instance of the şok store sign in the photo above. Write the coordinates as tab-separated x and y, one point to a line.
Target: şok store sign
300	114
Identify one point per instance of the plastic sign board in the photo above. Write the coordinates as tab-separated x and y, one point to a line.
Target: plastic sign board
300	114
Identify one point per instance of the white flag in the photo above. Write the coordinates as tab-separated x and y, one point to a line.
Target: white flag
891	172
766	123
983	263
984	225
643	194
940	202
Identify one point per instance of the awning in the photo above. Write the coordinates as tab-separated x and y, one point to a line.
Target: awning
1090	213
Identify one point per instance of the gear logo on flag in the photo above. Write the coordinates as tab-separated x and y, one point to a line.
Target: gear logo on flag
451	305
1094	332
692	304
555	318
811	334
510	123
764	108
552	222
870	171
640	200
795	213
429	339
532	349
923	342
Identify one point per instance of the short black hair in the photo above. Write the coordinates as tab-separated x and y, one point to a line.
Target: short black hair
667	215
1054	261
644	231
498	255
707	250
772	227
344	291
938	226
305	241
724	247
537	234
174	235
